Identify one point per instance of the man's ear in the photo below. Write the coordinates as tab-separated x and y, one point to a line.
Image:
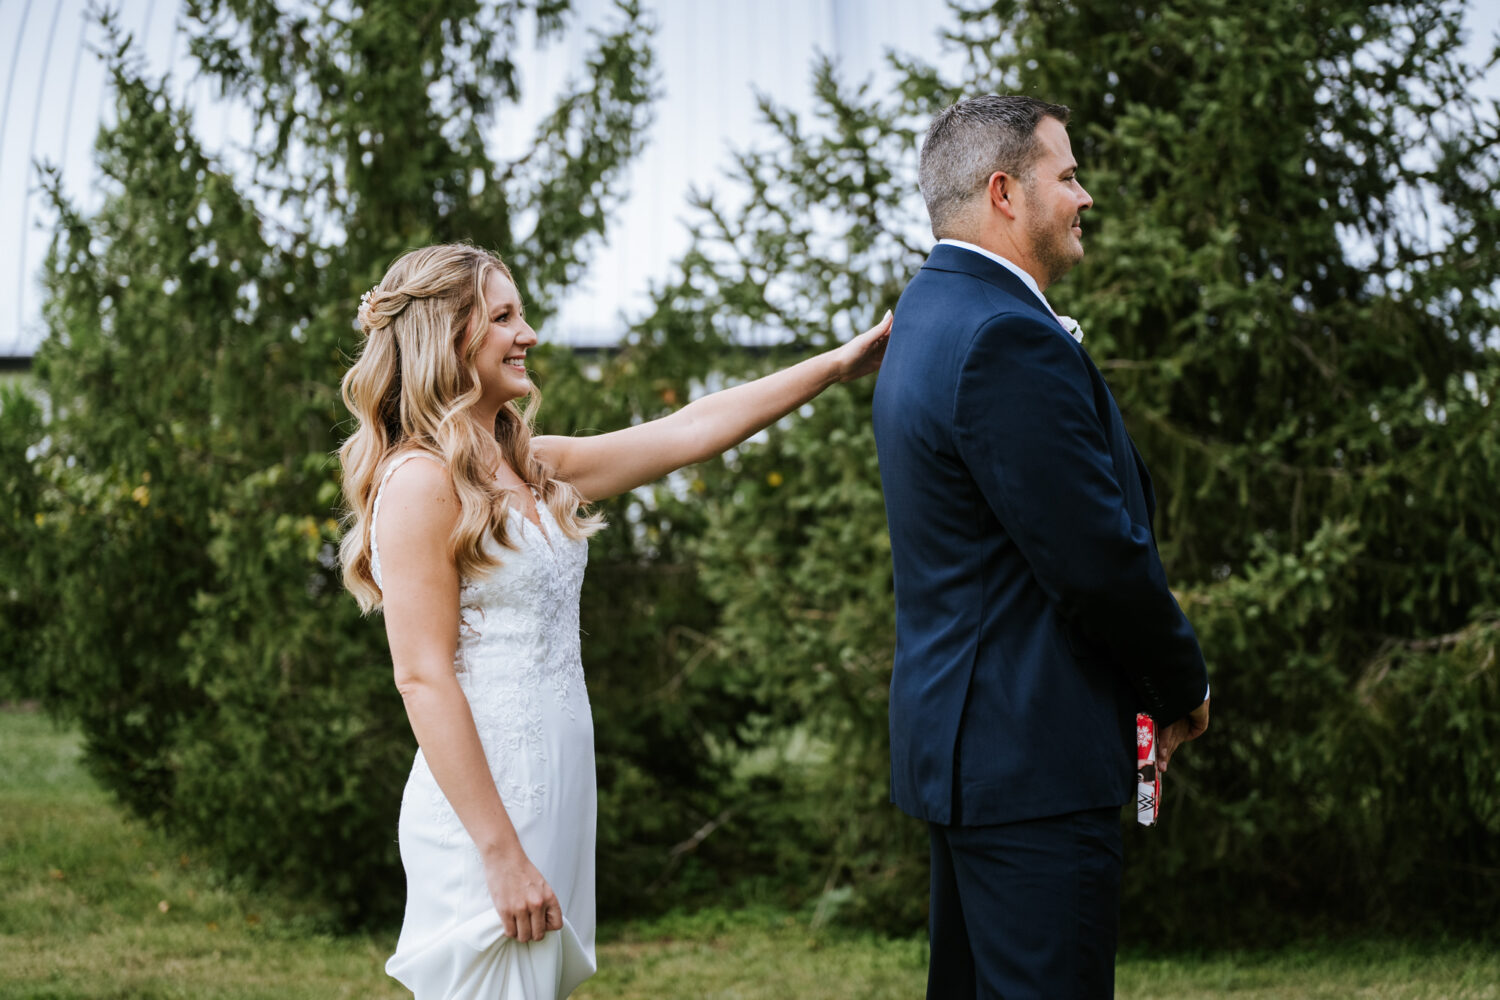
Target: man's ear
1001	187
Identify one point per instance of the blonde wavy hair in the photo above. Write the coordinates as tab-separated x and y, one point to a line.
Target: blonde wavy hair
411	387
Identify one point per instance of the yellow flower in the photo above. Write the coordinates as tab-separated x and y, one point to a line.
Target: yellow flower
775	479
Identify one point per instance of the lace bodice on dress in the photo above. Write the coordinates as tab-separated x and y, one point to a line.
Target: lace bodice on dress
518	657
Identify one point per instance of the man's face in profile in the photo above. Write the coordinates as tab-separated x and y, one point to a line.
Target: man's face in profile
1052	203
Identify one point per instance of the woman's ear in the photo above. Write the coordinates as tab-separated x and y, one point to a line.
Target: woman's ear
472	331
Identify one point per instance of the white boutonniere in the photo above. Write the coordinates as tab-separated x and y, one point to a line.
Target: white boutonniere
1075	330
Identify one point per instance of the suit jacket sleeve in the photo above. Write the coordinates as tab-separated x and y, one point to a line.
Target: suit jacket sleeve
1029	430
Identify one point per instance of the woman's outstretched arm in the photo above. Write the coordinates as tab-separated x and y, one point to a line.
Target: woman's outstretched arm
421	597
609	464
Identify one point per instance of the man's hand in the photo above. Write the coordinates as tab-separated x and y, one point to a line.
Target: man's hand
1189	727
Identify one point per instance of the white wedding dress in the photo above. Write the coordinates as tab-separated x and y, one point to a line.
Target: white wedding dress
519	665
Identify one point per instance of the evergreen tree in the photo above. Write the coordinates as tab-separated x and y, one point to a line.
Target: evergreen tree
178	584
1290	284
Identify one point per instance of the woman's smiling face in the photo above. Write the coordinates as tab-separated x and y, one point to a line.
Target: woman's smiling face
501	359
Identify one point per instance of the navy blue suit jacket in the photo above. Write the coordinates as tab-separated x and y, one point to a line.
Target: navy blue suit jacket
1033	618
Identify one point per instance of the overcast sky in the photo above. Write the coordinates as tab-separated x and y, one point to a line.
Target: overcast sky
713	56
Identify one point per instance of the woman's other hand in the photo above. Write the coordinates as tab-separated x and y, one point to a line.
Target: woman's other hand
527	905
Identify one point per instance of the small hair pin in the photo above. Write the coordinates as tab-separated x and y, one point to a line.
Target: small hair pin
364	307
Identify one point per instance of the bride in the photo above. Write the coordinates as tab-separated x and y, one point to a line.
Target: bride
471	535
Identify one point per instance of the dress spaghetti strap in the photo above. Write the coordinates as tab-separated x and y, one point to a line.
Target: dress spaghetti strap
375	510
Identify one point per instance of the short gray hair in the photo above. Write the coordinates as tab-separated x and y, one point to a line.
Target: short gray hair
971	140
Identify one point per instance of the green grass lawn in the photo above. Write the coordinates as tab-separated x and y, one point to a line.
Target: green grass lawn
95	905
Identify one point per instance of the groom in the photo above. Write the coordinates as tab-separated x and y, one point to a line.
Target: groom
1033	618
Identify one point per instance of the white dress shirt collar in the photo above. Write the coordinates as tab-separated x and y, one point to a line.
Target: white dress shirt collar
1014	269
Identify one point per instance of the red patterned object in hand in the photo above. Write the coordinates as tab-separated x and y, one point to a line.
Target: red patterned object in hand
1147	778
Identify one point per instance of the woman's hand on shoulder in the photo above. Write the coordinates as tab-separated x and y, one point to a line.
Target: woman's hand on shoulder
862	355
610	464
